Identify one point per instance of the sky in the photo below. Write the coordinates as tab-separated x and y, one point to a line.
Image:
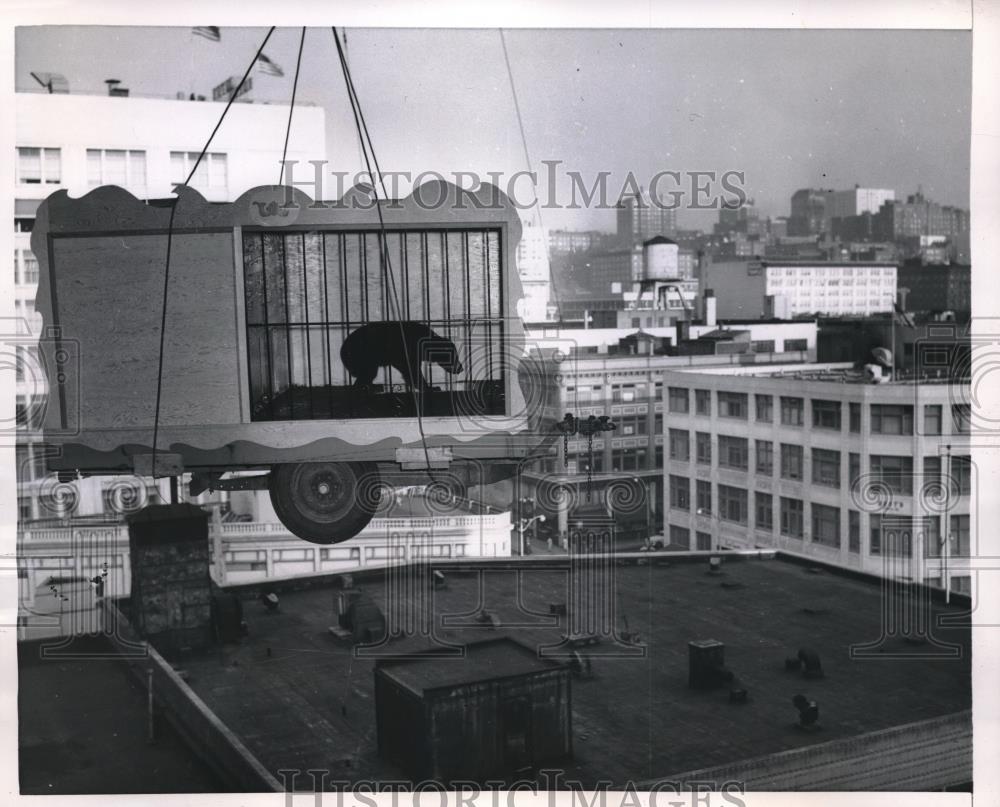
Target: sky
788	108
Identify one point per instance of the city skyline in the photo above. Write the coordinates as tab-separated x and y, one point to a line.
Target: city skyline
591	99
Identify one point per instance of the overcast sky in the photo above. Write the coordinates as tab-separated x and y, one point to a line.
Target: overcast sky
791	109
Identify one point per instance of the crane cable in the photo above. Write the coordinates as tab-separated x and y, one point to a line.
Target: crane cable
291	106
170	233
370	159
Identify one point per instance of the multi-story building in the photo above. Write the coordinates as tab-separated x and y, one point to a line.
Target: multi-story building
808	212
937	286
744	219
820	462
562	242
639	218
629	390
854	202
534	271
785	289
147	146
919	216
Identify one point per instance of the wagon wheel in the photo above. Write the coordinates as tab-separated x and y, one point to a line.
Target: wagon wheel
325	502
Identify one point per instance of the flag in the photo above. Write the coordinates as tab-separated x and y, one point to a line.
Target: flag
268	67
207	31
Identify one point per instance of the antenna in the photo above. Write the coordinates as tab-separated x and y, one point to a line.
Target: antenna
53	82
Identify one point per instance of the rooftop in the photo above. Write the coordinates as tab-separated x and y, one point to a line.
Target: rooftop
298	698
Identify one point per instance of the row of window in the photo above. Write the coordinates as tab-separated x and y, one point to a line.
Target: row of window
896	472
889	419
733	506
123	167
25	266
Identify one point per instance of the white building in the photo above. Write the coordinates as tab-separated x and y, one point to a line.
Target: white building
145	145
68	558
854	202
533	268
750	289
819	463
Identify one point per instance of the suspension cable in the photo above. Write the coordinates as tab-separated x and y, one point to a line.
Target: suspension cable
170	233
368	152
291	107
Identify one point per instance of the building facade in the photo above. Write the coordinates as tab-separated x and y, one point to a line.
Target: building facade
147	146
818	463
785	289
640	218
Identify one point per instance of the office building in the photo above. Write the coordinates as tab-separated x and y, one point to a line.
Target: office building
147	146
820	462
785	289
640	218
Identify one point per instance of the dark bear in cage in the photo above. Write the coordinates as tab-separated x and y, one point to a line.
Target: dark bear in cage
405	346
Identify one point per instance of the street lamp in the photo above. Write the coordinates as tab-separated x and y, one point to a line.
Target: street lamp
524	523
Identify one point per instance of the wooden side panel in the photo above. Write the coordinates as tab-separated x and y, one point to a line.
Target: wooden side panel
110	290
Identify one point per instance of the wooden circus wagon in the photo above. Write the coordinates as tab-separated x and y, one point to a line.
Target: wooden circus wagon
337	350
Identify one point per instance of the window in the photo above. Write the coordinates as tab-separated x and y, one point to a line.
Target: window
791	411
791	517
680	445
733	405
703	402
704	541
894	471
626	393
211	174
120	167
897	536
583	461
762	346
765	408
628	459
658	457
932	536
678	400
791	461
961	474
796	344
826	525
826	467
853	468
763	510
703	497
959	537
703	447
932	419
932	467
680	492
306	292
658	423
875	534
37	166
23	224
854	531
680	536
734	452
732	504
855	410
892	419
826	414
630	425
29	265
764	457
961	414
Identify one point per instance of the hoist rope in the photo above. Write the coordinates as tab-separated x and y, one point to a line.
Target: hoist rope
170	233
370	159
291	106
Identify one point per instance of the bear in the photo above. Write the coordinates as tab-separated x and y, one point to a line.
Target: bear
404	346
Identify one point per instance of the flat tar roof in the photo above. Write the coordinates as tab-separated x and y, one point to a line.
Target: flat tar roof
299	698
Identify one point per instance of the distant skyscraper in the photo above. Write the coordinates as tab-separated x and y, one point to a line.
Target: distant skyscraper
808	214
854	202
743	219
639	219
